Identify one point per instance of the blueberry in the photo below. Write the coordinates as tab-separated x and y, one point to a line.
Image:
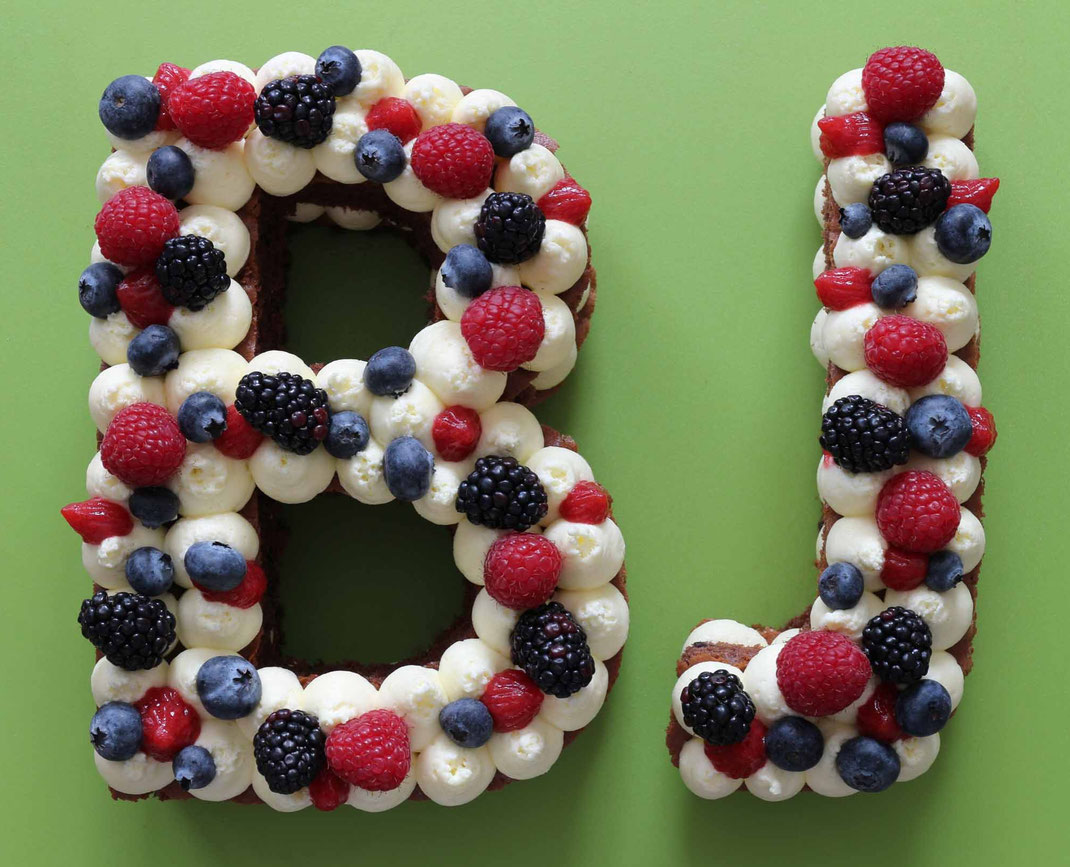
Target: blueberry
923	708
96	289
390	371
794	743
194	767
347	435
944	571
963	233
129	107
214	566
510	130
896	286
170	172
840	586
467	271
466	722
939	425
115	731
149	571
154	506
228	687
379	156
154	351
340	68
867	765
905	144
202	417
855	220
407	467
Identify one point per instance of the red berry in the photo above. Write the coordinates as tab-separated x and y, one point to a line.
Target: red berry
820	673
240	439
456	432
586	503
142	300
876	718
453	160
566	201
905	352
328	791
133	226
395	115
901	83
213	110
504	327
916	511
168	723
143	445
739	761
371	751
843	288
977	192
513	700
245	595
521	570
984	431
168	76
851	135
903	570
97	519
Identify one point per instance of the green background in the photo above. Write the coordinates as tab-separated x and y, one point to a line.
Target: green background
696	400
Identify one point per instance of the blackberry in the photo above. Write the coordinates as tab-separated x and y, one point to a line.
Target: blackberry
191	271
899	644
510	227
130	629
863	436
552	649
286	407
298	110
717	709
289	750
503	494
909	199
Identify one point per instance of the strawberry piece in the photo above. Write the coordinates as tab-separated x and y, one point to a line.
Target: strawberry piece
168	723
903	570
142	300
586	503
739	761
456	432
97	519
396	116
851	135
876	718
843	288
328	791
566	201
245	595
240	439
978	192
984	431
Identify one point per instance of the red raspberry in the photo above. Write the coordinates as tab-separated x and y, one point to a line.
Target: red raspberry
504	327
513	700
916	511
456	432
168	723
821	672
905	352
213	110
168	76
903	570
453	160
143	445
984	431
395	115
977	192
876	718
142	300
371	751
328	791
240	439
739	761
97	519
851	135
901	83
566	201
245	595
133	226
521	570
586	503
843	288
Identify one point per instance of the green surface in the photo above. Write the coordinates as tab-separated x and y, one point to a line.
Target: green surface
696	400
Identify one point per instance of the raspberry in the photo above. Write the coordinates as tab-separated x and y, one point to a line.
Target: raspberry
851	135
586	503
143	445
901	83
521	570
453	160
513	700
984	431
142	300
978	192
905	352
740	760
371	751
820	673
133	226
240	439
456	432
396	116
504	327
916	511
97	519
213	110
843	288
566	201
168	723
168	76
876	718
903	570
328	791
245	595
